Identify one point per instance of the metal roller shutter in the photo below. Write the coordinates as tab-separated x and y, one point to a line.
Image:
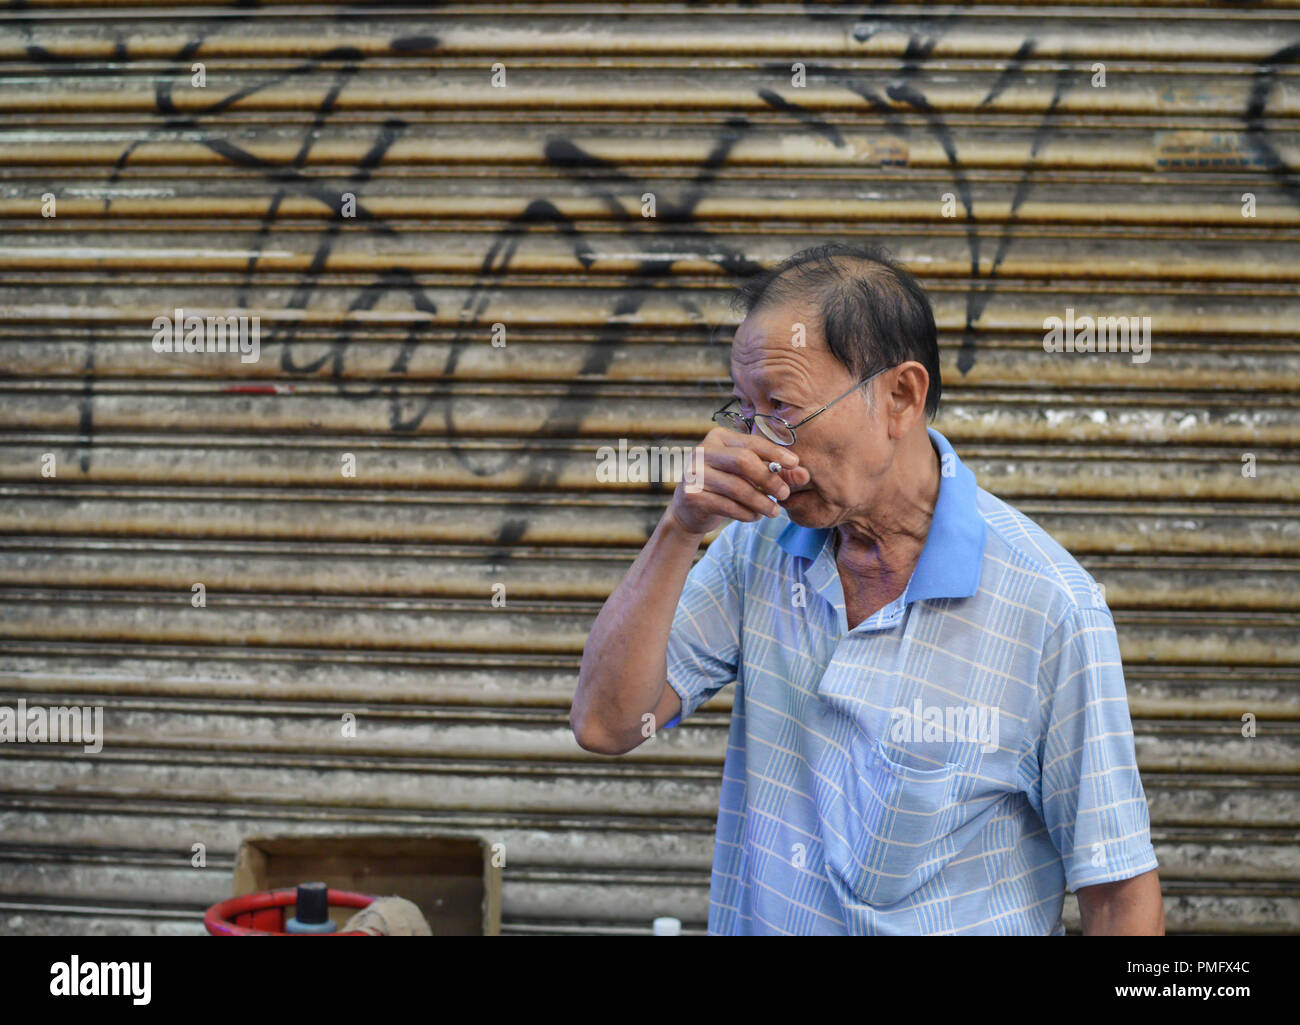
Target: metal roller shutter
522	205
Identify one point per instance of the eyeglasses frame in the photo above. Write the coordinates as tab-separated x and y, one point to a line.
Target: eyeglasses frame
749	421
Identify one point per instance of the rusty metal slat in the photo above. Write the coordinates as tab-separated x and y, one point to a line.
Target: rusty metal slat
431	625
469	208
426	746
633	90
1110	472
523	308
1157	584
1083	530
1155	692
1023	419
795	151
73	836
1222	34
295	254
1179	800
357	787
535	357
510	628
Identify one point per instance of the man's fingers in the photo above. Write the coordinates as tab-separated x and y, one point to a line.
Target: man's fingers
724	506
739	489
746	464
733	475
796	476
769	451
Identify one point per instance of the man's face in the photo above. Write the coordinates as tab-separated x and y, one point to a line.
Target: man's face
845	448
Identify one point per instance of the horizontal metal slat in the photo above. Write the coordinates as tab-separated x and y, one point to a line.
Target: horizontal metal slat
1098	31
504	411
425	739
369	783
1110	473
291	251
1212	856
183	205
1179	93
1177	317
609	522
487	683
1156	582
1100	153
1203	799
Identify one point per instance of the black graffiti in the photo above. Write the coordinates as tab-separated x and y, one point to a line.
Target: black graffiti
892	101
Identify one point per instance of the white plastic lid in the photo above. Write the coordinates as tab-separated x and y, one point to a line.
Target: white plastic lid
668	926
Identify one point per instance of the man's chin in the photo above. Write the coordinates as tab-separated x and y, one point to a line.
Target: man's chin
802	507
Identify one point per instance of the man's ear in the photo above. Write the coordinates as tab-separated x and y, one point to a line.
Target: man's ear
909	384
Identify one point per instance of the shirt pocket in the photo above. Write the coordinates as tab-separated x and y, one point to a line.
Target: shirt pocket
884	824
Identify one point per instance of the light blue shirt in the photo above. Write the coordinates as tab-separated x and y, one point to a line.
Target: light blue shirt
950	765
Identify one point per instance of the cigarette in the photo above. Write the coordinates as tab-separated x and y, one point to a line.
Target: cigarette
775	467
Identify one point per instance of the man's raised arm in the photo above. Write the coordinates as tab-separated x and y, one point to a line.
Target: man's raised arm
624	662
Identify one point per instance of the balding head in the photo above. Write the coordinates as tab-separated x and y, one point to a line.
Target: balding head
868	312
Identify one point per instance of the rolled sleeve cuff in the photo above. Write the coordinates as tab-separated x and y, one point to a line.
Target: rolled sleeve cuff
1133	861
688	703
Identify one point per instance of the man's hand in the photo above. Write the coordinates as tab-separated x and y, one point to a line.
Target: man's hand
1130	907
733	481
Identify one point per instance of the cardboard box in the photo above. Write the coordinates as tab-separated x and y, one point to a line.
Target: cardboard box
451	878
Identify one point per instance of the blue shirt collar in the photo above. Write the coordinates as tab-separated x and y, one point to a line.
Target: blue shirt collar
953	556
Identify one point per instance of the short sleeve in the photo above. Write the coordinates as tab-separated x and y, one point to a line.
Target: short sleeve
1091	797
704	642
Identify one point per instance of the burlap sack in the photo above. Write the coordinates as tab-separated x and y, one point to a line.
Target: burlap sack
389	916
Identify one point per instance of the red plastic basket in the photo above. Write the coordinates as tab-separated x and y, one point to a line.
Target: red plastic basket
263	914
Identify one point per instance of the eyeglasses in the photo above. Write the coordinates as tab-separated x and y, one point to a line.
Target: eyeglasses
774	427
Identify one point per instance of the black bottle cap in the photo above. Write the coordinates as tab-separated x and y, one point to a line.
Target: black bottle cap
313	903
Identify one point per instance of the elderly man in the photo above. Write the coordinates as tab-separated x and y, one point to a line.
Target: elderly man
930	732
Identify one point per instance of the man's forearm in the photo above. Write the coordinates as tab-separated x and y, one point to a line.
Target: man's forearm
624	663
1130	907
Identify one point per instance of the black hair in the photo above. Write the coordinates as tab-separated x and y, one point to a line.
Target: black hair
873	314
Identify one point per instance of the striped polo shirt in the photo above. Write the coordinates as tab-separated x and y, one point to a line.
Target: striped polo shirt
952	764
